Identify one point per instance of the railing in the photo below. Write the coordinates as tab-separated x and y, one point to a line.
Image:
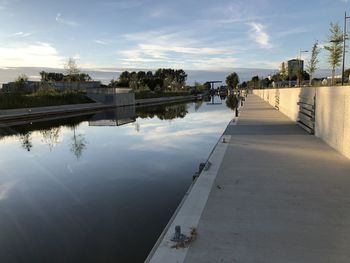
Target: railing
306	116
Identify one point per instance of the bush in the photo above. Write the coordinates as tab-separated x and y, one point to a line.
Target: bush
42	98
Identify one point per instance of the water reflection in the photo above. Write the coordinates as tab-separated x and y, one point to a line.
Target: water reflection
115	117
26	142
78	144
72	190
49	132
51	136
164	112
232	102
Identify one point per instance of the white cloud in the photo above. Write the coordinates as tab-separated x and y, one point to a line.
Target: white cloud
258	34
59	19
101	42
30	55
175	49
186	50
22	34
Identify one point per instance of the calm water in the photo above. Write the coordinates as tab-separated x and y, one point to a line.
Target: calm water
86	190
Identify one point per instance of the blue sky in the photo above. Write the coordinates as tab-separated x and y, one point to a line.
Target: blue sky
210	35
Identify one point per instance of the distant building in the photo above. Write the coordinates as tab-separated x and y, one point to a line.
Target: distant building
28	85
293	66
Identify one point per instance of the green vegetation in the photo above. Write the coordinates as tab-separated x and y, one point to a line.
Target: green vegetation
232	80
42	98
313	61
73	74
161	80
335	48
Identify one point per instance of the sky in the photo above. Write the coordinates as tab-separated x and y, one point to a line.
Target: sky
149	34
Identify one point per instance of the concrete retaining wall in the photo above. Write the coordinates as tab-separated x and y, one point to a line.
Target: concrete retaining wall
116	97
332	113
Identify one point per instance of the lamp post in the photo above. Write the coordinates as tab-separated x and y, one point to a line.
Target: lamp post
344	43
299	66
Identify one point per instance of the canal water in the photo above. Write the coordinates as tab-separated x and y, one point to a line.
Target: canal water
102	187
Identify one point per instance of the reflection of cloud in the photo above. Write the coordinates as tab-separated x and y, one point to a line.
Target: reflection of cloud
163	133
5	188
160	135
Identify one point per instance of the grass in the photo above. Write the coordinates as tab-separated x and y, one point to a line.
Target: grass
42	98
151	94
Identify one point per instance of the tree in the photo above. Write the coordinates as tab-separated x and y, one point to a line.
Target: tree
256	81
335	47
313	61
72	70
20	83
232	80
283	72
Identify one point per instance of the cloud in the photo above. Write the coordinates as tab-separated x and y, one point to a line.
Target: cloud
22	34
258	34
186	50
101	42
30	55
175	48
59	19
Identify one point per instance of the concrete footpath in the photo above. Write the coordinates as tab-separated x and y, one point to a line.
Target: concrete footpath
277	194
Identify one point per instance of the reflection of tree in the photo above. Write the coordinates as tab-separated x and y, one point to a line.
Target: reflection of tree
51	136
26	141
137	126
78	144
197	105
232	102
164	112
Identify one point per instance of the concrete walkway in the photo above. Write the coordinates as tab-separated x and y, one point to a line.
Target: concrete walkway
280	195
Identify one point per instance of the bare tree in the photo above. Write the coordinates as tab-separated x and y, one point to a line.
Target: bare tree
335	47
313	61
71	67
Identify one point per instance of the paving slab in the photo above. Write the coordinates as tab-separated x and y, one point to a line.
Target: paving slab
280	195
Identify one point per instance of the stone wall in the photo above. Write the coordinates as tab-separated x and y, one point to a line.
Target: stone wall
332	113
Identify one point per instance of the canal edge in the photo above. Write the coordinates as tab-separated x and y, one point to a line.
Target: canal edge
191	207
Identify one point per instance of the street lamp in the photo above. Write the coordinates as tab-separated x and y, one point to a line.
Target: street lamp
299	66
344	42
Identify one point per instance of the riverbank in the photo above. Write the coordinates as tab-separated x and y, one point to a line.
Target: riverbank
263	199
66	110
